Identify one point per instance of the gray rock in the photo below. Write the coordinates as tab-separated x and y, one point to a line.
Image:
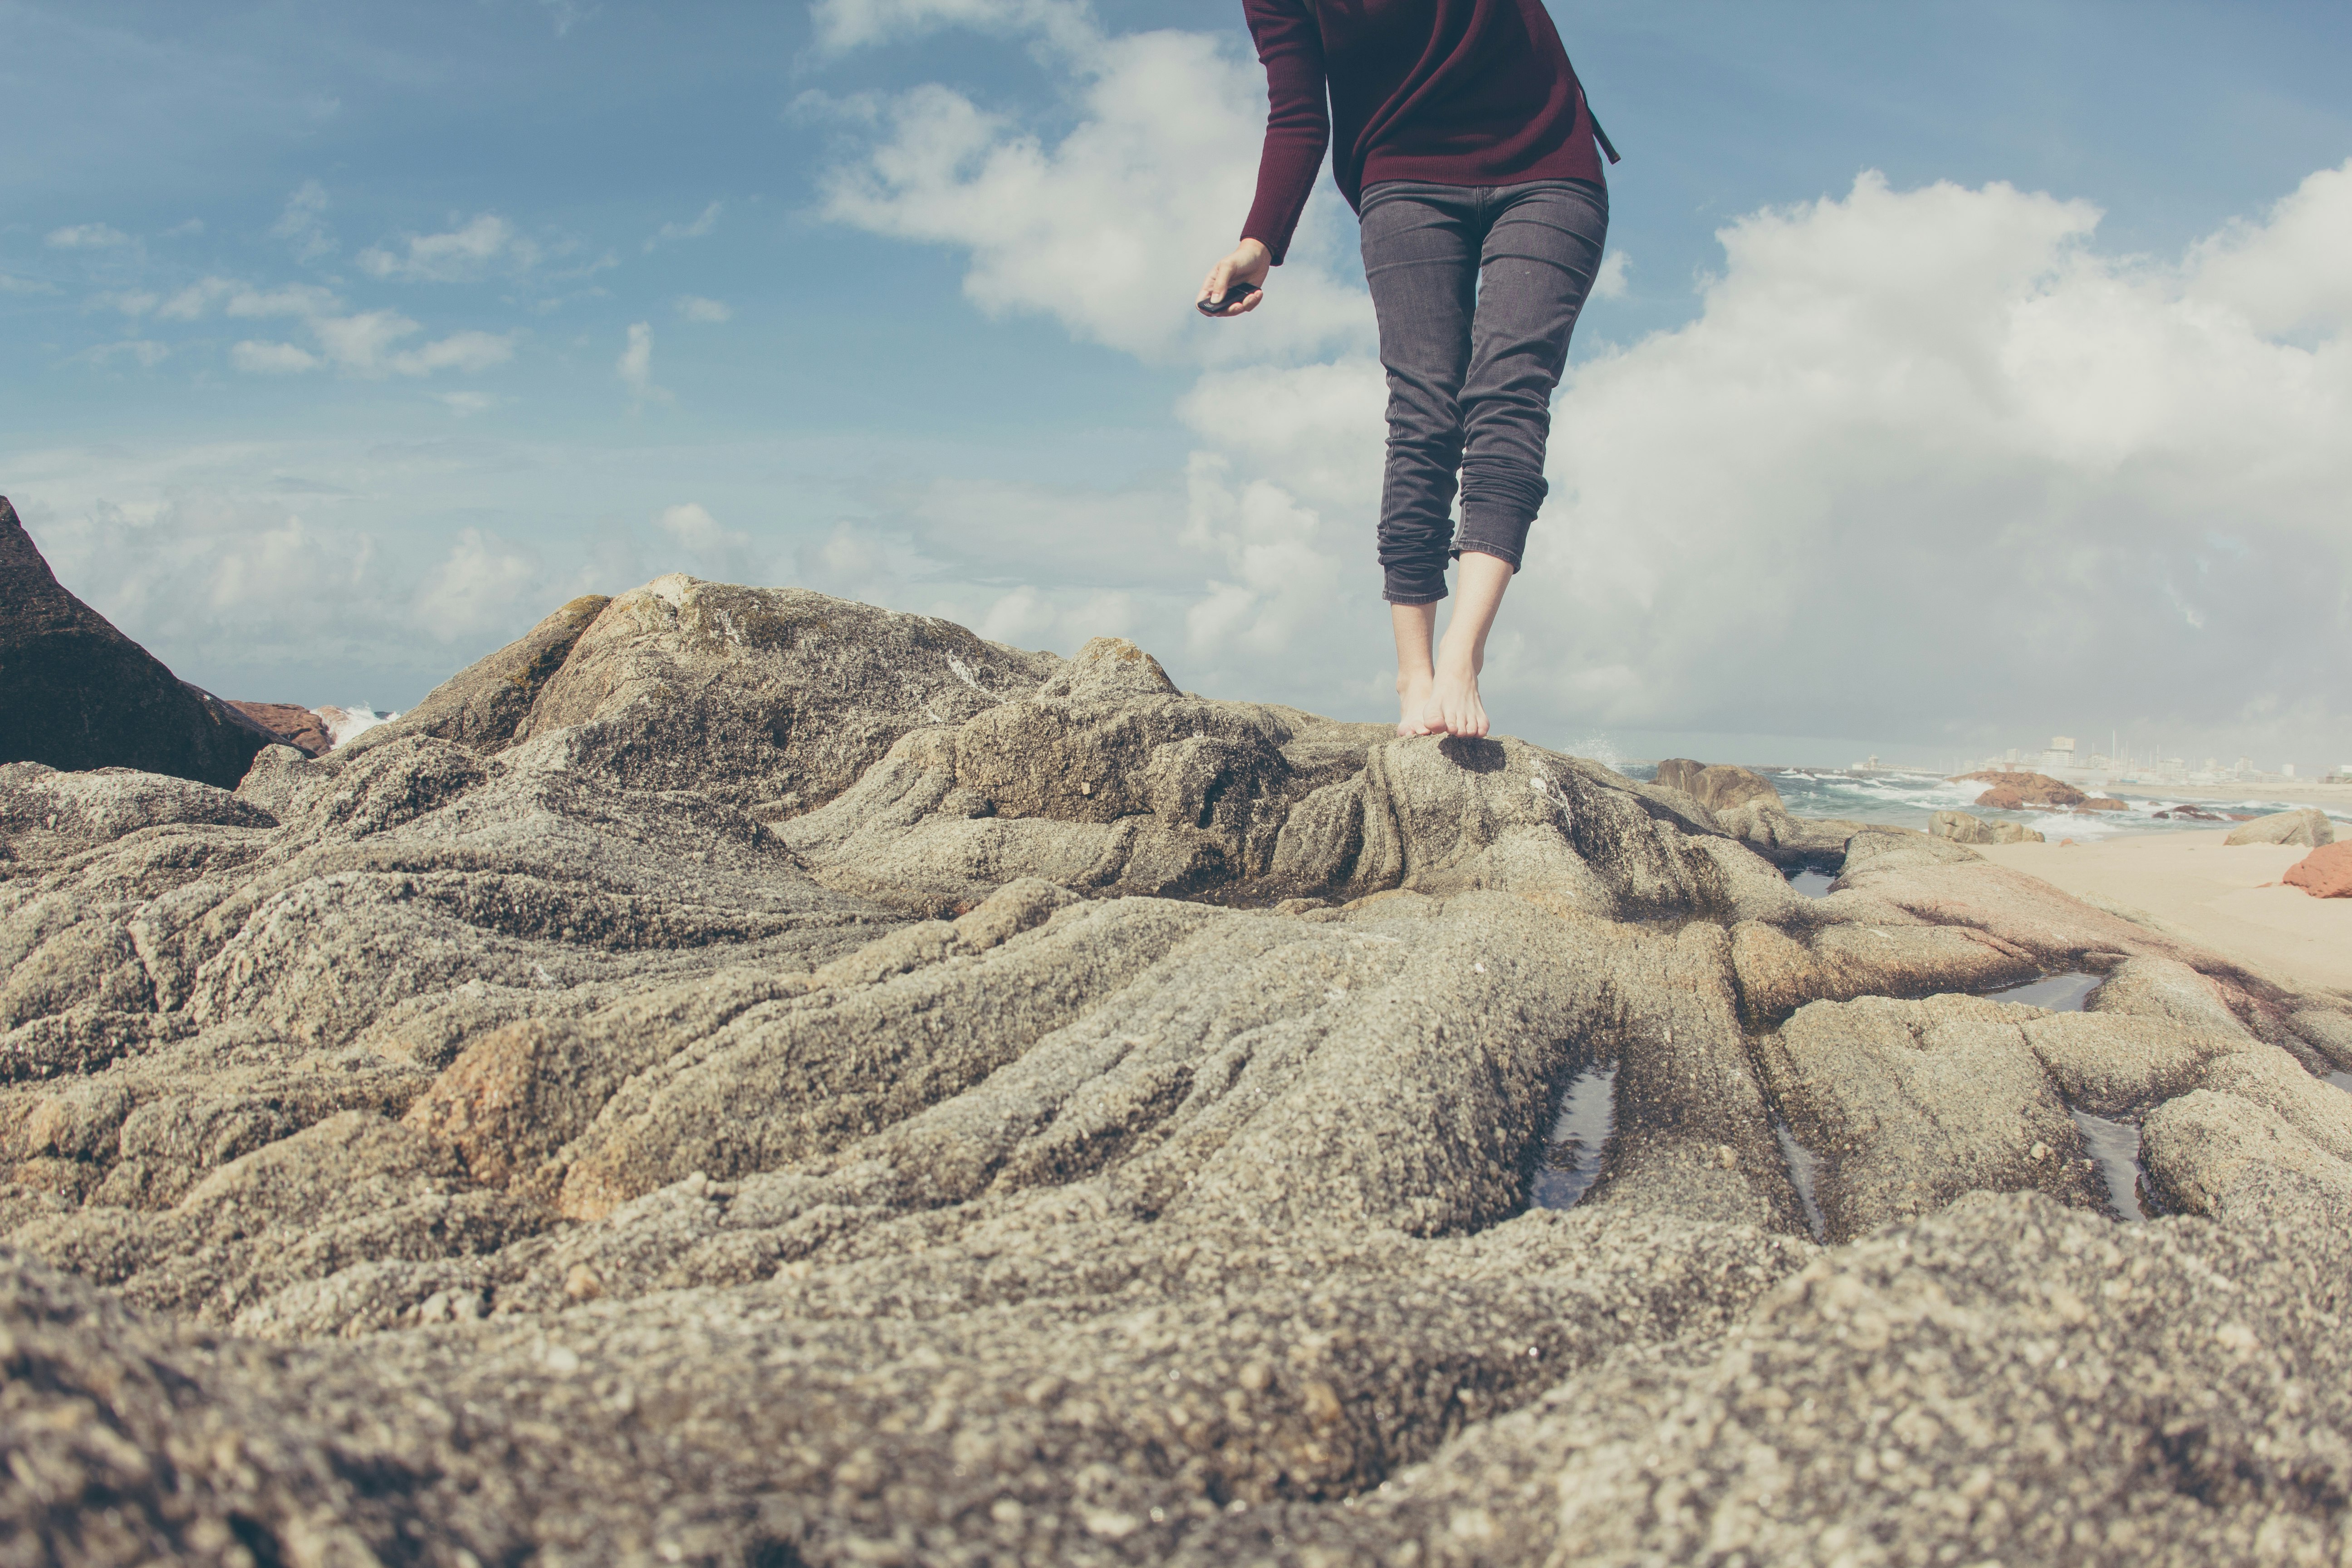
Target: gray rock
1907	1105
1095	1123
1961	828
2308	826
1793	843
482	705
1719	787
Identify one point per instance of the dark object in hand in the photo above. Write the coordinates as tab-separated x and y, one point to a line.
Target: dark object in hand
1233	296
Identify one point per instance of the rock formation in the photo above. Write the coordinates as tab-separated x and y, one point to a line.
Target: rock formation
1718	787
76	693
2325	873
2014	790
2308	826
1961	828
295	726
745	1078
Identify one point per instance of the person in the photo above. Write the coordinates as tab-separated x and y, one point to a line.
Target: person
1460	135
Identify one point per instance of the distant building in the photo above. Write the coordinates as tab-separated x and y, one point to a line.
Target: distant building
2060	753
2286	770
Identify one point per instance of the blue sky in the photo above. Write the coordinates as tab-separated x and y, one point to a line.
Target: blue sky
346	340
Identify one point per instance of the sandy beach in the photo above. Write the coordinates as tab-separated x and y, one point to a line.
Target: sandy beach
2226	897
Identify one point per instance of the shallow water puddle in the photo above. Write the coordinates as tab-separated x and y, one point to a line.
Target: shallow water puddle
1802	1164
2116	1146
1579	1138
2058	993
2342	1080
1812	884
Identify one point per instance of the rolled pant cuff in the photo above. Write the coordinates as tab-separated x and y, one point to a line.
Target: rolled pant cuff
1488	547
1420	592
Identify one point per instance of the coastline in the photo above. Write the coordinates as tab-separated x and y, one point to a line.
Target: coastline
2226	897
2337	799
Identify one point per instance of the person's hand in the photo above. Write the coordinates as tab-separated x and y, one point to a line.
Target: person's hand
1249	263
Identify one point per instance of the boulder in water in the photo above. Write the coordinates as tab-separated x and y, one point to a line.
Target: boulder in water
1719	787
2014	790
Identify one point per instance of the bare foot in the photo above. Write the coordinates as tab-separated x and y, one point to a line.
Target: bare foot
1413	703
1453	708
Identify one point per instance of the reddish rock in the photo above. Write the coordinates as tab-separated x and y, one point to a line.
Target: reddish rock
77	694
299	727
2190	814
2325	873
2103	803
2023	792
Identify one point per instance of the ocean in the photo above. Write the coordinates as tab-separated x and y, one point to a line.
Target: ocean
1912	799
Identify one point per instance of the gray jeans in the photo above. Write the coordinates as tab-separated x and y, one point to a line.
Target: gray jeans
1476	288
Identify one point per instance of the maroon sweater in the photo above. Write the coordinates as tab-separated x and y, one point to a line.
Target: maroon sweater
1457	92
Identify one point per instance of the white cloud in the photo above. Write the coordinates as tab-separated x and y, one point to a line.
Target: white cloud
694	308
146	350
187	230
193	302
693	526
636	365
366	344
1610	283
1111	228
462	253
134	303
466	405
272	359
716	551
474	590
304	222
695	230
850	24
2292	270
467	352
88	237
12	285
1927	465
287	299
565	14
363	341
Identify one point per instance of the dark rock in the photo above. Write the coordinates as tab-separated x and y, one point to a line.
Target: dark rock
299	728
77	694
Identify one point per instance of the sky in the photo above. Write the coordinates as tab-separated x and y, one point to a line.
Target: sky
1960	374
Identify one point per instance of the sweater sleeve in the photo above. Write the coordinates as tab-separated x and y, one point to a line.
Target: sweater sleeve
1298	121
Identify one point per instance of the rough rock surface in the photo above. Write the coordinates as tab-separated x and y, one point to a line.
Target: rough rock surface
1961	828
294	726
1092	1124
1719	787
2325	873
2307	825
76	693
2012	790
